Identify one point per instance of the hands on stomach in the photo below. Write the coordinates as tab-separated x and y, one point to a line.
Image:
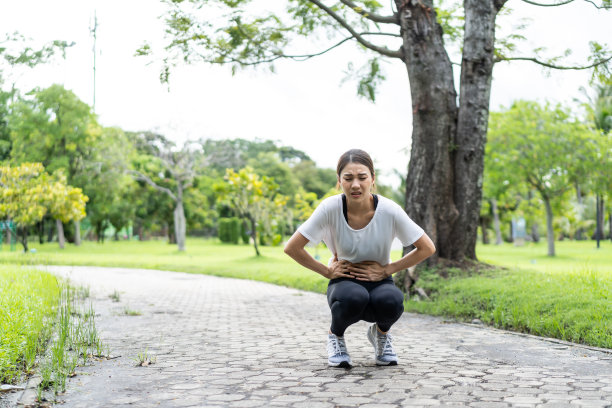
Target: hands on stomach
370	271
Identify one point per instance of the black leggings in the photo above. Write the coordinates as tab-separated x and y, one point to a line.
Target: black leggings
351	300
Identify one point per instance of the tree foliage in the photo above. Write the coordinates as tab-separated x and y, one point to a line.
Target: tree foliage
28	193
254	198
54	128
543	147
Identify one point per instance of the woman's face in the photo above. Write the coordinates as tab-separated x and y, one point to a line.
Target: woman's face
356	181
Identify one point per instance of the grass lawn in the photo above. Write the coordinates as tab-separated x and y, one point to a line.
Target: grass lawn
28	299
202	256
567	297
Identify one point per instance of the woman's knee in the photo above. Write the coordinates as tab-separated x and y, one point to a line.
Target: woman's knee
388	301
349	297
354	302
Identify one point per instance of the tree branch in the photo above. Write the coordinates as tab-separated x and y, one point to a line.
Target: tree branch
533	3
142	177
553	66
381	50
372	16
302	57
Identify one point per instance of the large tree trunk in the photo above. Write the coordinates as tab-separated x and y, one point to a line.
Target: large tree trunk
444	182
179	225
429	184
77	233
60	233
498	234
550	233
473	117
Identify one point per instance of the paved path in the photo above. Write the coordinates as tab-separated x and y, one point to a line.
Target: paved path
235	343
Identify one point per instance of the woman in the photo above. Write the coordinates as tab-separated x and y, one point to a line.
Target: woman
359	227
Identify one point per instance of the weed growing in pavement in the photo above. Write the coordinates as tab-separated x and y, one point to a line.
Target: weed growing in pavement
76	340
144	359
129	312
115	296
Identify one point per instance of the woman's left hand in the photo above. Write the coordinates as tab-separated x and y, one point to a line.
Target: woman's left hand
368	271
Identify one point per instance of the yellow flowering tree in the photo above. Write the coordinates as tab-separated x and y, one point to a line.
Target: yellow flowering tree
28	193
254	198
65	203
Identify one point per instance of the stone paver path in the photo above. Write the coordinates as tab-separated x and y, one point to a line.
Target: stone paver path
236	343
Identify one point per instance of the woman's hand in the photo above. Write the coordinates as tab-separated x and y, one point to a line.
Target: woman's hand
368	271
339	269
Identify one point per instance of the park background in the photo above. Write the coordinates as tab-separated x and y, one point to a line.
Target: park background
212	172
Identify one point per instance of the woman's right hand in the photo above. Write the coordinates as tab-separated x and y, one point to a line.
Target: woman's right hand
339	269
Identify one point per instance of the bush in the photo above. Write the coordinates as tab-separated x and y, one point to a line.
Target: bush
244	233
229	230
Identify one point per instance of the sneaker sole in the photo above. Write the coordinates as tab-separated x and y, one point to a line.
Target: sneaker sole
344	364
383	363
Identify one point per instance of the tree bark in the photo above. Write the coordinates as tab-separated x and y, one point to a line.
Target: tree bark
498	235
535	234
602	214
77	233
50	233
254	234
60	233
444	182
483	228
429	184
179	225
24	238
550	233
599	218
610	225
41	231
511	237
579	230
474	96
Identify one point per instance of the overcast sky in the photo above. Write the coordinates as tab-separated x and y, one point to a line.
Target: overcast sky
303	105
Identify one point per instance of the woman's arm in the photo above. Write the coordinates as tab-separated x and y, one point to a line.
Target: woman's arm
373	271
424	249
295	249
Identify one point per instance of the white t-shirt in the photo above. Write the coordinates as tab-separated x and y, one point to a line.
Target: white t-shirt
372	242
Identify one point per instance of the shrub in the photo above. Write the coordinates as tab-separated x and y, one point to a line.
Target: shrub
229	230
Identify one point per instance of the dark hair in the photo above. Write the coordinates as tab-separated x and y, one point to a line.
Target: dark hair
355	156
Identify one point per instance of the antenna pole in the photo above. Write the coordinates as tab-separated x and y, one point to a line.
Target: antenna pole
94	30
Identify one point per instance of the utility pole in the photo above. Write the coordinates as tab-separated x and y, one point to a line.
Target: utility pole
94	29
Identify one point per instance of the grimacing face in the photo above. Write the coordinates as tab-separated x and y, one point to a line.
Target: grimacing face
356	181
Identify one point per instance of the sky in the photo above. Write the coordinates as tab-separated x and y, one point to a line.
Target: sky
303	104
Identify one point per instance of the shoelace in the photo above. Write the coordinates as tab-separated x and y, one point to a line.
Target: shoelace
385	345
336	346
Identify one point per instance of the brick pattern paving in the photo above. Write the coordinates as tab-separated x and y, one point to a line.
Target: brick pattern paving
236	343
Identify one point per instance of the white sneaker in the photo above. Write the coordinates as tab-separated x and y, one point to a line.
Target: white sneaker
337	353
383	347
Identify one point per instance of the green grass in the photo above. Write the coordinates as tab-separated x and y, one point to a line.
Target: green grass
43	328
571	256
28	300
207	257
567	297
